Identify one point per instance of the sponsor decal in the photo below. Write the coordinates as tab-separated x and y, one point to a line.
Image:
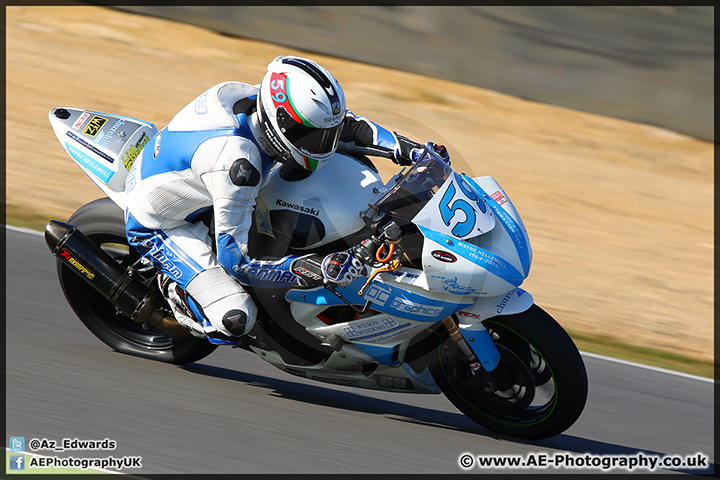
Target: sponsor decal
409	307
80	267
468	314
282	203
337	381
443	256
94	125
81	119
156	150
401	275
274	275
131	181
370	328
498	197
90	147
132	153
306	273
386	381
378	294
201	104
160	256
395	332
104	138
504	301
451	285
262	218
94	167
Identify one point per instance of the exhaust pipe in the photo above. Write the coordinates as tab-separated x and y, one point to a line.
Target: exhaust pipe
108	277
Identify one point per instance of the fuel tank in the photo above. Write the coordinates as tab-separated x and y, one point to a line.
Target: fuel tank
318	209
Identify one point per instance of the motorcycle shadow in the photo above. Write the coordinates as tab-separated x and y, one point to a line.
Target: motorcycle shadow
329	396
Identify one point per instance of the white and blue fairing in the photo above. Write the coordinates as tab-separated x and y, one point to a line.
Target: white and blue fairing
475	255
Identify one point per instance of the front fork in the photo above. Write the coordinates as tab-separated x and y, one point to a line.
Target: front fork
478	347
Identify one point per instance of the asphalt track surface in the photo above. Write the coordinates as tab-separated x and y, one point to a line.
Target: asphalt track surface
234	413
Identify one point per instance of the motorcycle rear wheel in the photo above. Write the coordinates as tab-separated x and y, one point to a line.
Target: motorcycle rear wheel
102	222
541	381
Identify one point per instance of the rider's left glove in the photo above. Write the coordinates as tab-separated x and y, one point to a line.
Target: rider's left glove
409	151
340	269
335	269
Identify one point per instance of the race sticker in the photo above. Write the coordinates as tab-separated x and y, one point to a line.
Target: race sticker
499	197
94	125
81	119
457	210
369	328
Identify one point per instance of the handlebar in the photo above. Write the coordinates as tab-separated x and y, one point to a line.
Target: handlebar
344	147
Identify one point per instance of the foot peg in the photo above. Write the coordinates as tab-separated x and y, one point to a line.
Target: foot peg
333	341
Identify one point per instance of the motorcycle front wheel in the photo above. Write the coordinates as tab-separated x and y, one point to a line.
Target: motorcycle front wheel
102	222
539	387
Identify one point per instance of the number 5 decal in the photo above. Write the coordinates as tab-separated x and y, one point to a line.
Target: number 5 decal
449	206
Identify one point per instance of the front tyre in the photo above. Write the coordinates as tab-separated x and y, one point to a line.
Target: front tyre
539	387
102	222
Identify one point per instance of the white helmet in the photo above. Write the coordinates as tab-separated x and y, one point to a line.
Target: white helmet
301	109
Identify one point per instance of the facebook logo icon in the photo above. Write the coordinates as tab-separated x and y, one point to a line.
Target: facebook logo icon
17	462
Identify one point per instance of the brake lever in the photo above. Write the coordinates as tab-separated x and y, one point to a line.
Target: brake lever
391	267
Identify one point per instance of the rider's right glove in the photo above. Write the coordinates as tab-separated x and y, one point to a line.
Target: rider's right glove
338	269
409	151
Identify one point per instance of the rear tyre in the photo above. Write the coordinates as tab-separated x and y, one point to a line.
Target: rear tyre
102	222
540	382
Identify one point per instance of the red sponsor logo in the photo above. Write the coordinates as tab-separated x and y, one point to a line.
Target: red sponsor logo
81	119
499	197
446	257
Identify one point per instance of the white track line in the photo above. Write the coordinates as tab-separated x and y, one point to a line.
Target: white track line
647	367
24	230
587	354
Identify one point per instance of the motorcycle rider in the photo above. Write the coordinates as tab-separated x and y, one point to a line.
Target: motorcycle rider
214	155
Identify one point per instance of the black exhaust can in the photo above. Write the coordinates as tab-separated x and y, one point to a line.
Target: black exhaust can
99	270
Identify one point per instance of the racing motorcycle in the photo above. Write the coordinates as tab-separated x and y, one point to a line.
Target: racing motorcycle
439	308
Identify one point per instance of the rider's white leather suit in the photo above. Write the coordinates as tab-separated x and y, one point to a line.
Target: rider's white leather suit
213	155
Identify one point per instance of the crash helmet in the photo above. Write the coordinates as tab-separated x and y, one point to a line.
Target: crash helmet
301	109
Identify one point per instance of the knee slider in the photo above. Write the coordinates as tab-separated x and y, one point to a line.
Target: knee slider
235	321
224	303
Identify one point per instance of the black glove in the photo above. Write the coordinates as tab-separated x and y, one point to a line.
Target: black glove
337	268
341	269
409	151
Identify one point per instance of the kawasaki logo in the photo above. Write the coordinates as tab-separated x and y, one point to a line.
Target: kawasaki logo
299	208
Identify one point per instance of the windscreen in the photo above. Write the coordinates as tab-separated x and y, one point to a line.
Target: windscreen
405	199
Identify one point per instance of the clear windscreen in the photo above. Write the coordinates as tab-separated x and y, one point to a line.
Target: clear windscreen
410	194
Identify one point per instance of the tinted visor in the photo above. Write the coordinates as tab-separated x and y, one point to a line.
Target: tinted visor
309	140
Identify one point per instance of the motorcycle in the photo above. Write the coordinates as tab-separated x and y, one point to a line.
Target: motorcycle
438	310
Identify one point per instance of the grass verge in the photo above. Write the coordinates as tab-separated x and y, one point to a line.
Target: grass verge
645	355
23	217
